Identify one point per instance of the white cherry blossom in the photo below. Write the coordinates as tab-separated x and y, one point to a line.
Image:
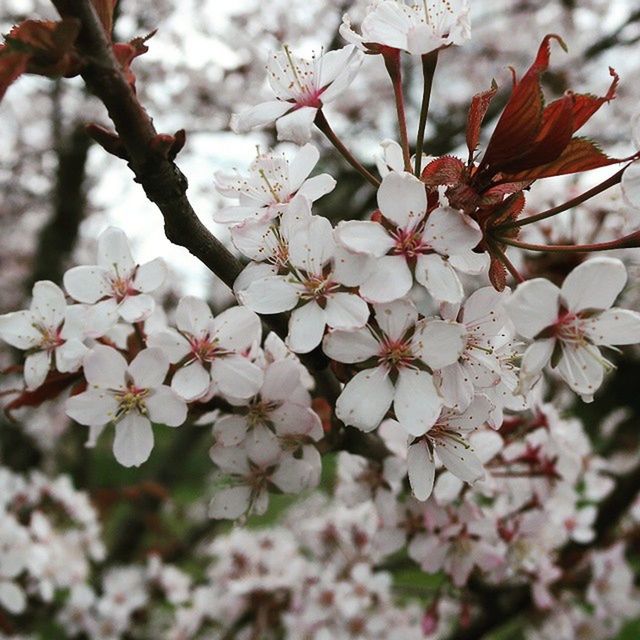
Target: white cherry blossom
311	287
301	87
418	26
131	396
396	356
569	324
50	332
410	242
117	285
272	183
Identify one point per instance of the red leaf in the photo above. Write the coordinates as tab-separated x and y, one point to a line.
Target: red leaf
497	274
497	193
127	52
104	9
585	105
446	170
12	66
52	387
580	155
477	112
521	120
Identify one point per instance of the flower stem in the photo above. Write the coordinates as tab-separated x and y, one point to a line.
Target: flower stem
429	64
587	195
626	242
392	63
322	124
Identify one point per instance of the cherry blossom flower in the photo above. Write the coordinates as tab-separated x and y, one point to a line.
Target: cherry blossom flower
271	185
483	317
418	27
50	332
406	240
302	87
400	350
131	396
211	350
569	324
311	287
117	286
446	438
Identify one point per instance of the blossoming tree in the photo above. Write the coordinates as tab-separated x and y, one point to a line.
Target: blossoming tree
407	383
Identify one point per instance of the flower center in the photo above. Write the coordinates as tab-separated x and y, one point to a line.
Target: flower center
570	328
121	287
302	84
132	399
409	243
206	349
50	338
318	287
259	412
395	354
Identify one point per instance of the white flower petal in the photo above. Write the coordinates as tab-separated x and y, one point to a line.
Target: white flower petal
105	367
317	186
236	376
174	345
17	330
365	399
533	307
87	284
149	368
459	458
230	503
93	407
450	232
595	284
439	343
581	368
259	115
396	318
439	278
417	404
136	308
150	276
630	186
346	311
350	346
402	199
364	237
191	382
302	165
390	279
296	125
193	316
238	329
133	442
306	328
614	327
165	407
274	294
114	253
422	469
230	430
36	368
48	305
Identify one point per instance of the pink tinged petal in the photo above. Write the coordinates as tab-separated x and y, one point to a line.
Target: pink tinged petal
533	307
133	442
439	343
193	316
459	458
291	419
396	318
191	382
630	186
149	368
259	115
387	25
230	503
346	311
101	318
70	355
365	399
417	404
165	407
296	125
537	356
389	280
302	165
174	346
337	69
474	416
114	252
594	284
230	430
402	199
104	367
350	346
87	284
311	245
281	378
93	407
48	305
450	232
351	269
36	368
236	376
364	237
455	386
422	469
581	368
306	328
294	476
232	460
274	294
150	276
238	329
614	327
136	308
317	187
17	330
439	278
12	597
262	446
